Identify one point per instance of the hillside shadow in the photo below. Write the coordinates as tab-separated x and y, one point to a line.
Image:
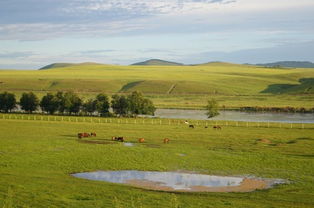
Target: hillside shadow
306	86
129	86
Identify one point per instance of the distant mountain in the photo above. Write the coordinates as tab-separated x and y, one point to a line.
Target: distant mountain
289	64
216	63
60	65
157	62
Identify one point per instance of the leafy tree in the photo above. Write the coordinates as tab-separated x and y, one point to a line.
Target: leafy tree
29	102
90	106
135	103
49	103
120	105
212	108
148	107
7	102
102	104
139	105
72	102
61	102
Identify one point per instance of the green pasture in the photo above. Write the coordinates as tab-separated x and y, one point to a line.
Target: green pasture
235	85
38	154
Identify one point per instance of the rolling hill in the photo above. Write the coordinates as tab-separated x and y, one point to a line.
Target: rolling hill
233	85
61	65
289	64
157	62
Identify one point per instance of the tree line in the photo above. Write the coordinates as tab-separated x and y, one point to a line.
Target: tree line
70	103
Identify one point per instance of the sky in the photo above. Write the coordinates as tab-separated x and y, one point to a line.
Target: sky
35	33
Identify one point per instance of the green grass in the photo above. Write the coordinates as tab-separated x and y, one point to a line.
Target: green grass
37	158
220	80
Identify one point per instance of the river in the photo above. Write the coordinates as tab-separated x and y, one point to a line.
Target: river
237	116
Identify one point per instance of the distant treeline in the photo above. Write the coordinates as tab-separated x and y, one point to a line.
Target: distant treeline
70	103
287	109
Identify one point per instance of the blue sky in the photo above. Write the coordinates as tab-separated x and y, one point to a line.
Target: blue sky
34	33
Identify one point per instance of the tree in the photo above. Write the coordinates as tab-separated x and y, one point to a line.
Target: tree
72	102
139	105
135	103
148	107
212	108
90	106
120	105
49	103
102	104
29	102
7	102
61	102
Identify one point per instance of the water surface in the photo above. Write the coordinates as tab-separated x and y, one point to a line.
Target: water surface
237	116
177	181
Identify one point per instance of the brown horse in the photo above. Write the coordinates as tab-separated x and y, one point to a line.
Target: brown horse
118	139
217	127
166	140
81	135
141	140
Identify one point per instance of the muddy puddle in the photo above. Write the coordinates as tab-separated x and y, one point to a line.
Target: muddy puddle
181	182
128	144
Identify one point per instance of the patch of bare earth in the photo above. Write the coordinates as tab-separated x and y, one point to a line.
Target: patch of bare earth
247	185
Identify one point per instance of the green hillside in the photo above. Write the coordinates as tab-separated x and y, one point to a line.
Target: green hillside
173	86
289	64
61	65
157	62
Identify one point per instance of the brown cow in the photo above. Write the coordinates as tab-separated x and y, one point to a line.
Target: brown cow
141	140
191	126
93	134
166	140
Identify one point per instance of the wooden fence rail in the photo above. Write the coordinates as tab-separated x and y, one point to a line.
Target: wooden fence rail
154	121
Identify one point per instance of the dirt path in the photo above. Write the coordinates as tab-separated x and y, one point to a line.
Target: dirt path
171	88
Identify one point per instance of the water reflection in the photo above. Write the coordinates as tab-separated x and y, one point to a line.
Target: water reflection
237	116
175	180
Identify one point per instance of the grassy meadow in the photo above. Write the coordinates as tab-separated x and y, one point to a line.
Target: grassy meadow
38	156
174	86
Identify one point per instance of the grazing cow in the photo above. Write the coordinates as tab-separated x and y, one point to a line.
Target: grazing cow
93	134
141	140
186	122
206	127
166	140
217	127
118	139
191	126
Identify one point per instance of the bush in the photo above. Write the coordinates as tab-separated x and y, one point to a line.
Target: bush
212	108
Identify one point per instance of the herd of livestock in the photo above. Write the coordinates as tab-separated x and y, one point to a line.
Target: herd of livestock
140	140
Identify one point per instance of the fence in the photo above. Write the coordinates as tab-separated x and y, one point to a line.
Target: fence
153	121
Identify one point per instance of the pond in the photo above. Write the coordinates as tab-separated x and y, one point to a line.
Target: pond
237	116
179	181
